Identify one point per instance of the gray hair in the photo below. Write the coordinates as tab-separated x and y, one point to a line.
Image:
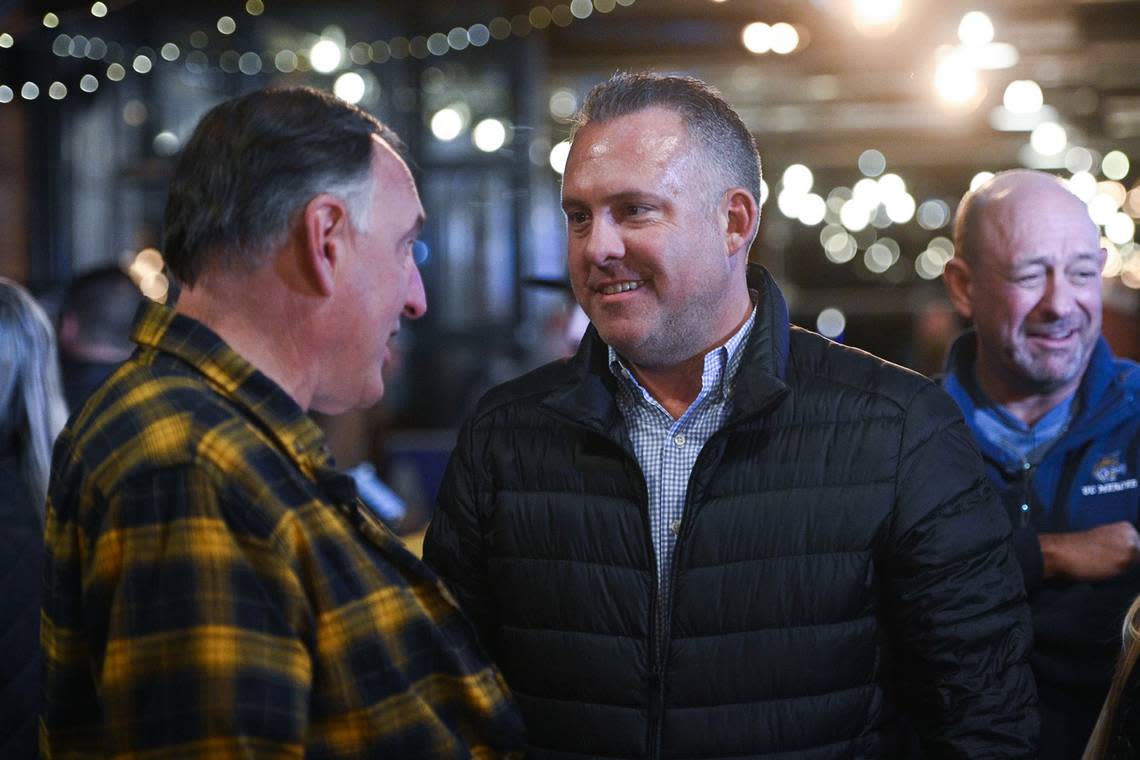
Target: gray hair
253	163
31	399
711	121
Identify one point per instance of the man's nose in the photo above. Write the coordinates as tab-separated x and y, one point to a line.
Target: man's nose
415	305
603	242
1060	296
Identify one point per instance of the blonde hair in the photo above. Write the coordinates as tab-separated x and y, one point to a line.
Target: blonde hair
1101	740
32	407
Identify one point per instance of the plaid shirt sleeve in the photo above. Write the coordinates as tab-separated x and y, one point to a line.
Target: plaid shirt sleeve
201	629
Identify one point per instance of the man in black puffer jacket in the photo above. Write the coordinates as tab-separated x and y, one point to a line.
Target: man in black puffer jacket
710	534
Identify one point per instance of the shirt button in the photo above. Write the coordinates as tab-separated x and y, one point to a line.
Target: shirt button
1025	465
679	439
1024	507
675	526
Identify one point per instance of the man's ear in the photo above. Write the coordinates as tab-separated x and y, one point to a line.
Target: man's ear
742	216
958	279
325	229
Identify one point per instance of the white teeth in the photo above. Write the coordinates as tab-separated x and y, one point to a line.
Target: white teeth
622	287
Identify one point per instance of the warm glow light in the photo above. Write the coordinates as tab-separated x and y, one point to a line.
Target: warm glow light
1120	228
98	9
325	56
1082	185
446	124
812	209
1049	138
226	25
956	79
872	163
757	37
876	17
790	203
933	213
785	38
877	258
489	135
994	56
1023	96
867	192
1115	165
51	21
1102	208
797	179
1078	159
563	104
1113	261
838	247
30	91
1132	203
900	208
890	186
980	179
558	155
831	323
349	87
975	28
855	215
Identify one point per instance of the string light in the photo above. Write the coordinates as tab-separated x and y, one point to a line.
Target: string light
286	61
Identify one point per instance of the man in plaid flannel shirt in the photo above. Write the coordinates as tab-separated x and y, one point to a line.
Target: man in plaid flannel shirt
214	587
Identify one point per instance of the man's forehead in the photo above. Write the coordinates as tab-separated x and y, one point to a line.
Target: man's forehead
1035	215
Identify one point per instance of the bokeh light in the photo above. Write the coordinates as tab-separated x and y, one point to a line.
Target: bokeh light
489	135
446	124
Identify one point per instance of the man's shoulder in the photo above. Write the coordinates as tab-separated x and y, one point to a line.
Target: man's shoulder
818	366
149	416
527	390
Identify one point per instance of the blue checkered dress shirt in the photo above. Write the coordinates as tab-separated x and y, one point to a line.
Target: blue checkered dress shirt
667	449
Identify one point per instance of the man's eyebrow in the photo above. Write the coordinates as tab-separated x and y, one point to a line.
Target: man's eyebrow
1045	260
417	227
619	197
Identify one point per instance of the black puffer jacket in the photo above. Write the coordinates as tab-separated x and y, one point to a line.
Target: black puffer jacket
843	577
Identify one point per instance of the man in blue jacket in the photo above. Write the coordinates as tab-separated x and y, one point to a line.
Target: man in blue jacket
1057	418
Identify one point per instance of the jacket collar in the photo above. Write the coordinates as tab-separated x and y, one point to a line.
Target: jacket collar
160	329
590	395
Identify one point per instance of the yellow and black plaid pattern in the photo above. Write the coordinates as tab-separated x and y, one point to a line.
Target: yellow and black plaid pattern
213	589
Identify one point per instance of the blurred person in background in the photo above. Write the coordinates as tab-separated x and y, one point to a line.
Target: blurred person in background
1057	418
32	412
95	330
214	587
710	533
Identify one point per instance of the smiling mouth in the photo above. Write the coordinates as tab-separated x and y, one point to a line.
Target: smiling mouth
621	287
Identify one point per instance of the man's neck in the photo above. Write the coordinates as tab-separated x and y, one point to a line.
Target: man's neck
1027	407
677	386
254	325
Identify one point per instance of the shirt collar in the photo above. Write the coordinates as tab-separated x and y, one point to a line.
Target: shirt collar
160	328
720	365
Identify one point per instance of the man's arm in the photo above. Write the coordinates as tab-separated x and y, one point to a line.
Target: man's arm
1099	554
454	546
191	624
956	601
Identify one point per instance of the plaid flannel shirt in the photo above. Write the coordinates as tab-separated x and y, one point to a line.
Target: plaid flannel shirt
214	588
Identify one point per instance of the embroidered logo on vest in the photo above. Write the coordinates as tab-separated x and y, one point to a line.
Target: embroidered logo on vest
1108	471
